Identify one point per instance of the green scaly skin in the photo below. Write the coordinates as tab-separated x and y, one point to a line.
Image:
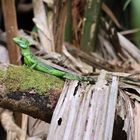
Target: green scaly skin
31	61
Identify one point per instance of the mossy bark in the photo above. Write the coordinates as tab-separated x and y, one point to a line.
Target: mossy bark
28	91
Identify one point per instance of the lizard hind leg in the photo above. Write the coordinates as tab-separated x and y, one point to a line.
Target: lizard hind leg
33	65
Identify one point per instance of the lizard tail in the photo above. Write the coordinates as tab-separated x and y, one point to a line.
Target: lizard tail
78	77
88	79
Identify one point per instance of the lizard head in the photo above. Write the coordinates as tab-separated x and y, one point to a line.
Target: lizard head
21	42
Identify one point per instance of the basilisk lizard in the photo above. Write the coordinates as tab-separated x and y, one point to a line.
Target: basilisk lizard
33	62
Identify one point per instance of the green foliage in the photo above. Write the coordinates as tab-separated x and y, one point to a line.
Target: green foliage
90	29
136	19
68	25
126	4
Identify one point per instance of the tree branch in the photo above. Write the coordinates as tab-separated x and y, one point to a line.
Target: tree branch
28	91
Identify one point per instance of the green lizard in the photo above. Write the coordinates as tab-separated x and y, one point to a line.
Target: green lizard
33	62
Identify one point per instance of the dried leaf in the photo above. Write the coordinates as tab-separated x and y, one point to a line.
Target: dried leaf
137	120
129	47
49	3
43	25
10	127
106	9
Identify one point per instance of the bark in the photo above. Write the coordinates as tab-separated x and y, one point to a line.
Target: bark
10	22
59	20
28	91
